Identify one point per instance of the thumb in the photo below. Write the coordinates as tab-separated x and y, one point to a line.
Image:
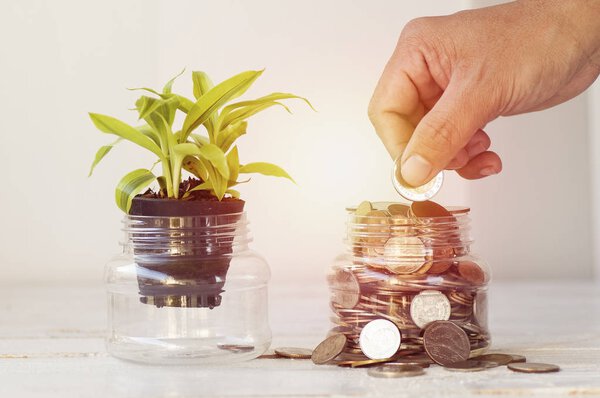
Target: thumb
442	132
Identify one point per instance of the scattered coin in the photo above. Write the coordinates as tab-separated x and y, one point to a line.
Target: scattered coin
518	358
363	363
471	272
328	349
429	306
529	367
446	343
269	356
393	371
345	289
294	352
379	339
500	359
417	194
424	363
470	366
236	347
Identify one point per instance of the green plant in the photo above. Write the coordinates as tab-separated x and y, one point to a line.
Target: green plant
212	158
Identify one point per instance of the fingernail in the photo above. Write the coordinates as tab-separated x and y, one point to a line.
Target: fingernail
488	171
416	169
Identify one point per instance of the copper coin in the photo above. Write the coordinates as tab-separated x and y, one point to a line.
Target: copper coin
329	348
294	352
393	371
446	343
518	358
439	267
236	347
363	363
398	209
429	209
345	289
529	367
500	359
471	272
470	366
269	356
424	363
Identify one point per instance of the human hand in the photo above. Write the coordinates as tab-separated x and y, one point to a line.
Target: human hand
451	75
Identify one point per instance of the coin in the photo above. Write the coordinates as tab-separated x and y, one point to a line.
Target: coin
294	352
470	366
362	363
429	209
439	267
500	359
329	348
424	363
529	367
416	194
518	358
404	254
393	371
363	208
345	289
235	347
446	343
471	272
429	306
398	209
379	339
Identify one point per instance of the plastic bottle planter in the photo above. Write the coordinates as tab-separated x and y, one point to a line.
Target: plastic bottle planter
412	271
186	288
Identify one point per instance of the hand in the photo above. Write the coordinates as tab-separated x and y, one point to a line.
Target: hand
451	75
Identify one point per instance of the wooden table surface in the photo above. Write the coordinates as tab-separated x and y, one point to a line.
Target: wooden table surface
51	345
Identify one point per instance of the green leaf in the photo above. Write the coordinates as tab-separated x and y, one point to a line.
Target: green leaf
205	186
233	163
110	125
102	152
168	87
202	85
215	98
210	152
146	105
150	133
267	169
200	139
227	137
150	90
130	185
184	104
194	166
244	113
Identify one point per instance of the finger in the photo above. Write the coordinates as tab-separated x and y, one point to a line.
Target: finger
442	132
401	98
460	160
479	143
485	164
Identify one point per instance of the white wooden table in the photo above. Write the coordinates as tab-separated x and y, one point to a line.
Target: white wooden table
51	345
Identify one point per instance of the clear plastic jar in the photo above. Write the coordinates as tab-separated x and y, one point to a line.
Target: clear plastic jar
187	290
412	271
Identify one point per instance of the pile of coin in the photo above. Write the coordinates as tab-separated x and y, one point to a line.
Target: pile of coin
409	265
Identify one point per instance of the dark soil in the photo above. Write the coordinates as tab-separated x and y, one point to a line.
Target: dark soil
184	187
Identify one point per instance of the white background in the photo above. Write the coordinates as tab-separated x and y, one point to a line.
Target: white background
61	59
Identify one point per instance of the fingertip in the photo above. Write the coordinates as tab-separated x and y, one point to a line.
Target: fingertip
483	165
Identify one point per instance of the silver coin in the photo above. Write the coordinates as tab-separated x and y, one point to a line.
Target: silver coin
393	371
379	339
429	306
415	194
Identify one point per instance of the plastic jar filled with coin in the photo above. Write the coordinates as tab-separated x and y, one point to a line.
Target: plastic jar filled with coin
411	265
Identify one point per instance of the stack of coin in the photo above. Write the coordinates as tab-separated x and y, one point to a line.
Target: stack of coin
409	264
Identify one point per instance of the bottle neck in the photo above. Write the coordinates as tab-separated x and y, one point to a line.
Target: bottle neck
406	240
202	236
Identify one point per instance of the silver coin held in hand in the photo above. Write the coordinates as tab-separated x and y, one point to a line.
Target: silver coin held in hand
379	339
415	194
